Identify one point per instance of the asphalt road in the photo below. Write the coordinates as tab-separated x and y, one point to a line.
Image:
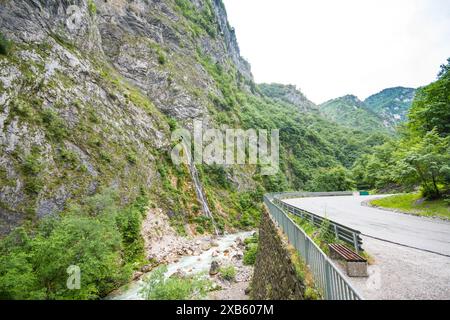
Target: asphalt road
416	232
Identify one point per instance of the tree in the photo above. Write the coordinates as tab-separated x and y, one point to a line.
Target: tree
98	237
431	107
334	179
359	172
427	163
91	244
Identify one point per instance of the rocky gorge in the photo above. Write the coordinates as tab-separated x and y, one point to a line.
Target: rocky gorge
90	94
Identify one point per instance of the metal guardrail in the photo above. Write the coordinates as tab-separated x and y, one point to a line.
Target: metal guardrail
327	276
341	232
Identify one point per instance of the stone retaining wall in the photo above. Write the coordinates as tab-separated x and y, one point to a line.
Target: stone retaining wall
275	276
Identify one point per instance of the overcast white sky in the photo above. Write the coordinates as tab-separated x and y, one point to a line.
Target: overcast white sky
329	48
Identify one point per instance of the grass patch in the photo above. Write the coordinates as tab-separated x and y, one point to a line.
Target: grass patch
228	273
412	203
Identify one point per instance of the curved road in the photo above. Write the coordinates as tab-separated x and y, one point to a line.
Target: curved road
416	232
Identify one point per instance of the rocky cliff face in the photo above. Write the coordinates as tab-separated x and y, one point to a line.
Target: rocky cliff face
89	89
392	104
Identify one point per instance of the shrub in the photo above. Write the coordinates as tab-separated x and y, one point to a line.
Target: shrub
21	108
5	45
92	7
250	253
69	157
325	235
228	273
158	287
32	165
162	58
132	157
56	127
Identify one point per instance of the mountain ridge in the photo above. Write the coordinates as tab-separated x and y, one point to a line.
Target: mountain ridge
382	111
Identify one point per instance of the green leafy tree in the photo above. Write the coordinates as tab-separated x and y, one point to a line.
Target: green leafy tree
427	163
333	179
92	245
431	107
98	237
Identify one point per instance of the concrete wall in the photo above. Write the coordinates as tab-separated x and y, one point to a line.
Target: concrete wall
275	276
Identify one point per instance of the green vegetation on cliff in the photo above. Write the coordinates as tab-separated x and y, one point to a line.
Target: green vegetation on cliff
351	112
5	45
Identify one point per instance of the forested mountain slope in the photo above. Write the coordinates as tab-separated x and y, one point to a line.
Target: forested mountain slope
351	112
380	112
392	104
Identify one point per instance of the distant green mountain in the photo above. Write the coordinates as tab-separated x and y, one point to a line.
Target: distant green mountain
351	112
392	104
380	112
289	94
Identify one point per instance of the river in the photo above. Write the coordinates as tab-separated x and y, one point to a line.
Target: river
189	264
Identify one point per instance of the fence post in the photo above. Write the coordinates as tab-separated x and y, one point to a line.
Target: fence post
356	242
328	289
306	249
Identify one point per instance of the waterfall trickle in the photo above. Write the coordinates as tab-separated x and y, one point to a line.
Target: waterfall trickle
201	197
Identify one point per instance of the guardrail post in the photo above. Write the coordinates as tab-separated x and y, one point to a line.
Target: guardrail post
306	250
356	242
328	289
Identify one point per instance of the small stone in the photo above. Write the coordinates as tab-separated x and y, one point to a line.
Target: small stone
214	244
147	268
238	256
205	246
137	275
179	274
214	269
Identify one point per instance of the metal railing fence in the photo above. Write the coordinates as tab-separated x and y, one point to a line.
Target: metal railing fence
340	232
327	276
